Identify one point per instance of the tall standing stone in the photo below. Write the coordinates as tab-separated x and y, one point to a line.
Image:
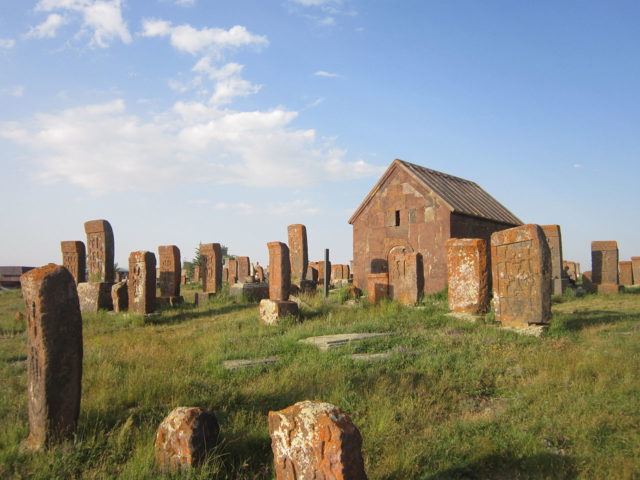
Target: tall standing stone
170	270
120	296
604	266
315	440
278	305
405	276
521	271
626	273
232	267
74	259
54	354
377	286
279	271
554	241
196	273
211	263
244	268
260	273
635	266
142	282
298	253
468	275
100	250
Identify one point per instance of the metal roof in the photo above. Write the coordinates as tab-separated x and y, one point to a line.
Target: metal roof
462	196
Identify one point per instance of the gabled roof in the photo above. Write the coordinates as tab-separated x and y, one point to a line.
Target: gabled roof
460	195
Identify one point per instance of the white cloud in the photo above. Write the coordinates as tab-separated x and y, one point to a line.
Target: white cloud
327	22
13	91
316	3
210	41
240	207
577	165
228	81
326	74
103	18
7	43
185	3
48	28
104	148
296	206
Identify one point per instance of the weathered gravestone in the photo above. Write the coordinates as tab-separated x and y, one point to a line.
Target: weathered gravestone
100	250
468	275
196	273
626	273
278	305
377	286
170	270
211	272
260	273
185	438
120	296
554	241
244	268
315	440
406	277
74	259
95	296
142	282
635	266
232	267
298	253
587	283
54	354
521	270
604	266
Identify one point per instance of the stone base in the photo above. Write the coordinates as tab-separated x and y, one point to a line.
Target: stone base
202	298
535	329
470	317
171	301
272	311
120	296
607	288
95	296
377	286
250	291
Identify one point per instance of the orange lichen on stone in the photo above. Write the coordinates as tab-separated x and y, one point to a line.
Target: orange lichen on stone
468	275
315	440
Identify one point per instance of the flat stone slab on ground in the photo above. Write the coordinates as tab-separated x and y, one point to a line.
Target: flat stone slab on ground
371	357
326	342
250	362
533	329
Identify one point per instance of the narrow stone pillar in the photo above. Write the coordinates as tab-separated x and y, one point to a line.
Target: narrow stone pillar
635	266
279	271
554	241
626	273
54	354
170	270
244	268
468	275
142	282
298	253
211	263
100	251
74	259
521	272
315	440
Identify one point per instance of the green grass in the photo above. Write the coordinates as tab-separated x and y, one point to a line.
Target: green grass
456	400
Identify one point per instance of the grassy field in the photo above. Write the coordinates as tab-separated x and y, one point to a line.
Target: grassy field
456	400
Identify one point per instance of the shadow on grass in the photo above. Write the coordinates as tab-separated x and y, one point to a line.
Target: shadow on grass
542	465
632	290
580	320
189	313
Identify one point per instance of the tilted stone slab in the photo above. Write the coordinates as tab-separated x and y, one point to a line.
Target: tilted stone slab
326	342
54	354
246	363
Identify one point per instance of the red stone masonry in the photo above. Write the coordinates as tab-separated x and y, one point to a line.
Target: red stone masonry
170	270
626	273
100	251
521	271
298	252
279	271
74	259
604	262
211	265
142	282
468	270
54	354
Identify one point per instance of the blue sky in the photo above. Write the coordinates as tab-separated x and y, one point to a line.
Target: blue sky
226	120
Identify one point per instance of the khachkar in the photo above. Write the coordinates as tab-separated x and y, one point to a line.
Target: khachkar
315	440
170	273
142	282
604	266
244	268
521	275
54	354
278	305
405	275
74	259
95	294
298	253
210	271
554	241
468	275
